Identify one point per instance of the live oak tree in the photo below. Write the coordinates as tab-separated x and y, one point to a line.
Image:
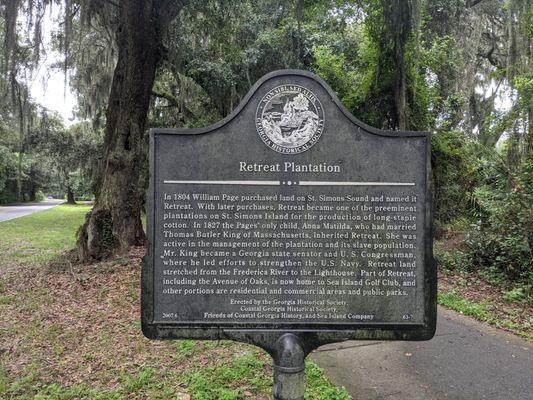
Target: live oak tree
218	49
434	64
16	59
115	221
137	28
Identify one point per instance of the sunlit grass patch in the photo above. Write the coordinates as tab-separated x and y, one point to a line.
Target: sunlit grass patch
483	312
455	302
41	236
238	379
319	387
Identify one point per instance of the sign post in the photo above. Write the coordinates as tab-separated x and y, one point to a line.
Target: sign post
288	225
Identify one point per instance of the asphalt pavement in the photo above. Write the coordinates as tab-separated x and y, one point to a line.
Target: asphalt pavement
466	360
19	210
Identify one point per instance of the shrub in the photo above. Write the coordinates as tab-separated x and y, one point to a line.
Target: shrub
454	177
39	196
501	239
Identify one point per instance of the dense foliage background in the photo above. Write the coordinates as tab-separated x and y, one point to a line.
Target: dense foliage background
459	68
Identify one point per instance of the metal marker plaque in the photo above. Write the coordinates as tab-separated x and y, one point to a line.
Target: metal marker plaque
290	215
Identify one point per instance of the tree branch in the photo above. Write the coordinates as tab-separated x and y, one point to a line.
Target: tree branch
490	56
167	96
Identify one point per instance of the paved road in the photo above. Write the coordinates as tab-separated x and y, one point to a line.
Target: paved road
466	360
20	210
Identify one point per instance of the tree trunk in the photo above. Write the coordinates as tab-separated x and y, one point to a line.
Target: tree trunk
114	224
70	192
33	192
20	197
21	110
529	139
396	30
299	46
401	26
70	195
400	88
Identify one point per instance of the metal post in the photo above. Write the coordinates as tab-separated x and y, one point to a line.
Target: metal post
289	368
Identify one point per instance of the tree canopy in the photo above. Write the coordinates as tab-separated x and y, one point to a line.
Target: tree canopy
459	68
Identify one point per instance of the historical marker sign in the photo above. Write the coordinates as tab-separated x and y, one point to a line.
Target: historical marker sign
290	215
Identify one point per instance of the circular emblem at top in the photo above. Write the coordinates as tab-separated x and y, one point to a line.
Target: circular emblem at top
290	119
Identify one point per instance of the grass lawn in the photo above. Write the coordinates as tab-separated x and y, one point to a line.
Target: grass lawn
74	332
487	307
40	236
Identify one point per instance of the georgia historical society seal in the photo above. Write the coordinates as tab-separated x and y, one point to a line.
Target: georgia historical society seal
290	119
